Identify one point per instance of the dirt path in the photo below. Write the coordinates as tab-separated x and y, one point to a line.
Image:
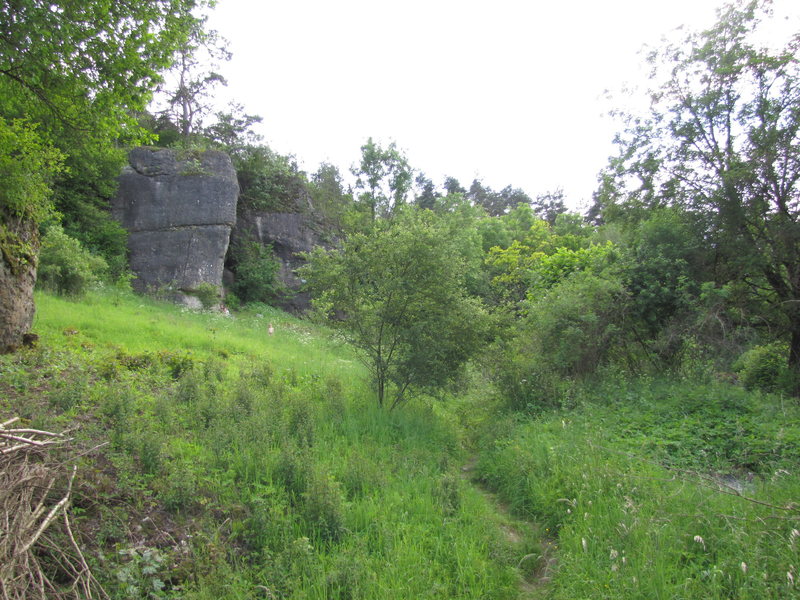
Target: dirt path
536	551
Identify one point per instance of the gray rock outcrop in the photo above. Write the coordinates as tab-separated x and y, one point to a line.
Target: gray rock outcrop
179	212
17	278
289	234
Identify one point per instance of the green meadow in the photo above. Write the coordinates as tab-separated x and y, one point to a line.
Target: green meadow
238	464
218	461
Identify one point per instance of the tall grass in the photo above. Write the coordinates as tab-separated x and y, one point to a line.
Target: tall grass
242	465
239	464
647	500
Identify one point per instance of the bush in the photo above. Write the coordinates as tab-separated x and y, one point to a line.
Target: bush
765	368
208	294
65	267
256	273
579	323
323	508
269	182
575	328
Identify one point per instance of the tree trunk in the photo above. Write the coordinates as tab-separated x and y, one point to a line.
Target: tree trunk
17	278
794	358
381	389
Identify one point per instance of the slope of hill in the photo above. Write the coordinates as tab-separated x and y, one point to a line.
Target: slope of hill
217	460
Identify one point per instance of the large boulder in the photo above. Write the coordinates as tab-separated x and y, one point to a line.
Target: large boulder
179	209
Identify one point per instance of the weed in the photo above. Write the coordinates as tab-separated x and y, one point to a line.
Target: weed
300	422
292	470
139	575
360	476
323	508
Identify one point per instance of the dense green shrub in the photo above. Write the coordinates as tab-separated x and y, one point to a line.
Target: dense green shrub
765	368
208	294
90	222
569	332
65	267
27	165
579	324
256	273
269	182
323	508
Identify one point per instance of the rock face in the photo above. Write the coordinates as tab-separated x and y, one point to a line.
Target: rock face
288	234
179	212
17	278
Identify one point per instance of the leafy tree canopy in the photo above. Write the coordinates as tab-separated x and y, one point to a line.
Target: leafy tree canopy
383	177
397	293
81	67
80	70
722	142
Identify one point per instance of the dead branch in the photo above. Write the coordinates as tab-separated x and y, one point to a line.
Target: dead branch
35	492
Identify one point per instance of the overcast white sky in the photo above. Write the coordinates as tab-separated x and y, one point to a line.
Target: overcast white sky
508	91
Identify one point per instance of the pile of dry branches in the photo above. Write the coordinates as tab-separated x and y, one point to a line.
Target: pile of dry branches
39	557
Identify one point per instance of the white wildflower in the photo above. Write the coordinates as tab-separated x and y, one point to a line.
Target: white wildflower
585	544
744	567
614	554
700	540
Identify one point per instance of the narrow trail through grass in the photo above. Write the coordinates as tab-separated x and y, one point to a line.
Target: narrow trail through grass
535	565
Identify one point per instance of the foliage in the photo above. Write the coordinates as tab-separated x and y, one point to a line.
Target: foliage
661	268
233	131
496	203
65	267
81	69
549	206
331	202
540	259
84	65
384	178
570	331
427	196
764	368
96	230
208	294
256	273
721	141
268	181
27	165
397	294
188	100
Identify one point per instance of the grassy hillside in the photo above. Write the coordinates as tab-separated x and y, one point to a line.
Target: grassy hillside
237	464
660	489
218	461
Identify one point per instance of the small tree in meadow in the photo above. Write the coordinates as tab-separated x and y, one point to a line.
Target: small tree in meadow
397	294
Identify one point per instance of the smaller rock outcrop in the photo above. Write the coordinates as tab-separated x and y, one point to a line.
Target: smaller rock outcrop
179	209
17	278
288	234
